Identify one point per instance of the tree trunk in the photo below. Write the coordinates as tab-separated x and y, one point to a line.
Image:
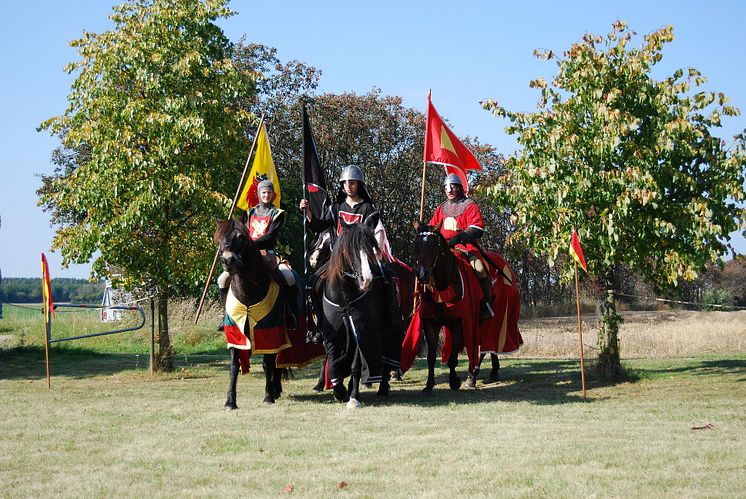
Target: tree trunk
609	364
164	358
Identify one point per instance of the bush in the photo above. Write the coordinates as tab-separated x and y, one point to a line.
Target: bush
717	299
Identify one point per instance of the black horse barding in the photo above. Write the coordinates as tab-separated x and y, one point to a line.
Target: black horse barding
255	313
359	339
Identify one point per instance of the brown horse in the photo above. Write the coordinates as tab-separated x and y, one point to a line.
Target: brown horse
449	299
256	319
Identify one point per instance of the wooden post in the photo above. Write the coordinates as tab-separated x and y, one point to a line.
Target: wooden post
230	215
580	330
152	335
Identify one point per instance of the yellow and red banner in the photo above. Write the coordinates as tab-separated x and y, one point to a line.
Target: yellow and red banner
576	251
46	288
443	147
262	169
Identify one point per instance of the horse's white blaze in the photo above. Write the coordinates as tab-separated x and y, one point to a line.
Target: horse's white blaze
365	272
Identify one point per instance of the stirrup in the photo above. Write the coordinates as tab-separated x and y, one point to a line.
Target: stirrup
485	311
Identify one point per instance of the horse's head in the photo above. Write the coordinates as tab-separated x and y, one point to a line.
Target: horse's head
428	246
354	256
234	244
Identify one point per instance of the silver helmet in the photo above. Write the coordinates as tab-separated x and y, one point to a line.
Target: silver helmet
452	178
351	172
265	184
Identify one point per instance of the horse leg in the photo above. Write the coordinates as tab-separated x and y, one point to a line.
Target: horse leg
432	342
471	380
230	403
453	380
354	388
495	372
321	383
269	366
276	378
383	388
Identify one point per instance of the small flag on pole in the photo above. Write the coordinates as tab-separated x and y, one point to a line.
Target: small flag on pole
262	169
313	175
46	288
576	251
443	147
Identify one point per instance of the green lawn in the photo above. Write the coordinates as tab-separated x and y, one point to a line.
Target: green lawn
108	428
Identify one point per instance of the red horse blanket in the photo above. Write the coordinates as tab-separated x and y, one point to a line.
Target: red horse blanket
499	334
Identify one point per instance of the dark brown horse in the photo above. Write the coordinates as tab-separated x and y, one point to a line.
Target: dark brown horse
252	281
450	295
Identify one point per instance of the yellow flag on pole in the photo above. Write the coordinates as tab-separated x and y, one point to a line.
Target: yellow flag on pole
262	169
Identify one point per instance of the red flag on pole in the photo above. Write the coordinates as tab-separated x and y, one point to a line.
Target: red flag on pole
576	251
443	147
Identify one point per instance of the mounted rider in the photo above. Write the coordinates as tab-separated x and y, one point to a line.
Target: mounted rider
264	222
354	205
462	226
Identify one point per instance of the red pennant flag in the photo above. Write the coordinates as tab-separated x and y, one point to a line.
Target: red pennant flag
46	288
443	147
576	251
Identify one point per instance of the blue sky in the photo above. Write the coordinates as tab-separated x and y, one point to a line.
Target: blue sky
464	51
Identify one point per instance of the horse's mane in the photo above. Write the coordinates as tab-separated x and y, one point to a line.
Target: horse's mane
225	227
354	238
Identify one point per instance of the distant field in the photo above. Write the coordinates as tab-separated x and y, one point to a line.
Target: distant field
676	428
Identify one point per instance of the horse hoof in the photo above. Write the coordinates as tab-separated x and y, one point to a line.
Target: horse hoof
340	393
470	382
230	407
492	379
383	391
454	383
396	377
353	404
427	389
269	399
368	385
318	387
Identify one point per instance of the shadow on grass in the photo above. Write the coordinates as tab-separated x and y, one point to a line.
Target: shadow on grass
79	363
545	382
694	367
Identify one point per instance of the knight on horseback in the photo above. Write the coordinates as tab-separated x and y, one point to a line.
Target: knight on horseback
264	222
461	223
354	205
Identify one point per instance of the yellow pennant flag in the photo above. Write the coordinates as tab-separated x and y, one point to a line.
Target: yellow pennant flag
262	169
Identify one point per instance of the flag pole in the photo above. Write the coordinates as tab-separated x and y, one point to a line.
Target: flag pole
230	215
580	330
47	328
306	294
424	160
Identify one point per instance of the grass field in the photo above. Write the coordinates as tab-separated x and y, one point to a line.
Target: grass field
108	428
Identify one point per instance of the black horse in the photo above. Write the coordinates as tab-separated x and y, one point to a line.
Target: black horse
252	282
359	339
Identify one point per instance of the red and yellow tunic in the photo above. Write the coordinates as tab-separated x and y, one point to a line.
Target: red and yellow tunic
457	217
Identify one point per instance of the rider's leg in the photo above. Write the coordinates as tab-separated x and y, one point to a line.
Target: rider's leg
485	306
224	283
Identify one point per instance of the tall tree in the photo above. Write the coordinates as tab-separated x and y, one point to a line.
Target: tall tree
630	161
155	117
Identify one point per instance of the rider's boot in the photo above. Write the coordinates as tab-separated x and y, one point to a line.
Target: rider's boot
223	297
485	307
